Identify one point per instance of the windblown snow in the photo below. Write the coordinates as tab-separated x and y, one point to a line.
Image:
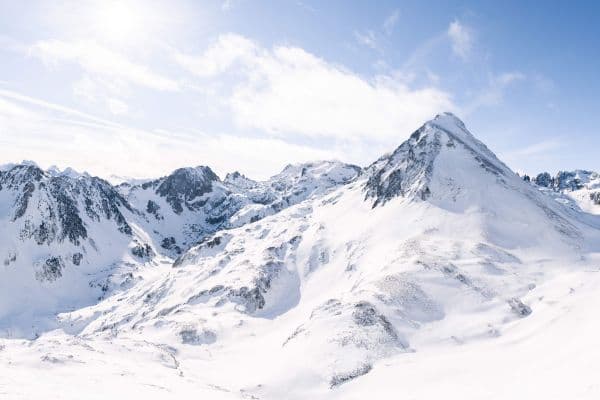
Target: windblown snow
434	272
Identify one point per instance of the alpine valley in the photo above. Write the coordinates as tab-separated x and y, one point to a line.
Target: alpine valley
434	272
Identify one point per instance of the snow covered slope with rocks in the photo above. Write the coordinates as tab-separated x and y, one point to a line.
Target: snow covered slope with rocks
332	282
58	231
583	187
67	236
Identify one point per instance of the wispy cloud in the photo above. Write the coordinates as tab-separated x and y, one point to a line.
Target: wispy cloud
32	103
461	38
97	60
527	154
390	22
34	129
536	148
117	107
306	6
226	51
368	39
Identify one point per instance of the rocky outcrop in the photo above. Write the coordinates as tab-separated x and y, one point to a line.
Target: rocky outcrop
184	187
407	171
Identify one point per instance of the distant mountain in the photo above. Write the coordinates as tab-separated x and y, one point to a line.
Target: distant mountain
65	234
582	186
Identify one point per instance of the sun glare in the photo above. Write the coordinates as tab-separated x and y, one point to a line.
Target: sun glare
123	21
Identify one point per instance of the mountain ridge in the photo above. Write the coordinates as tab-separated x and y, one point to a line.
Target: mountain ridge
327	270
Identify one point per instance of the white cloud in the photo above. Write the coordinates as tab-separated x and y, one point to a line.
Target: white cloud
228	50
367	39
288	91
227	5
117	107
31	104
390	22
507	78
48	133
461	38
100	61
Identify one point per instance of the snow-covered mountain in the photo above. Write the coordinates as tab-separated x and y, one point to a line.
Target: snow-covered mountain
583	187
67	235
57	231
323	281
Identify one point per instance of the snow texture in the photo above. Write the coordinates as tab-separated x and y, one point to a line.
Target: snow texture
434	272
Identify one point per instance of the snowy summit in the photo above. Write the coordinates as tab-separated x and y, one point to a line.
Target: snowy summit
434	270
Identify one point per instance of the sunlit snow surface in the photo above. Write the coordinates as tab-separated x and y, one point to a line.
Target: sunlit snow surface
472	284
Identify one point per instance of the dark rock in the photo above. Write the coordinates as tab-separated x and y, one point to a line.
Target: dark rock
169	243
10	258
152	208
143	251
544	179
68	215
408	170
566	180
365	314
185	185
51	270
193	337
341	378
23	200
517	306
77	257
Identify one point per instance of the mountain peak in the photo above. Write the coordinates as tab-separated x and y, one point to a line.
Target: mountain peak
409	169
185	185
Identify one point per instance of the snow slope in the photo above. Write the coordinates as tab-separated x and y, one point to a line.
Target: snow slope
434	272
69	238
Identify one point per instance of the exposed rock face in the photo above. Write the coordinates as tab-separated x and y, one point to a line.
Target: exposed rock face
190	335
517	306
580	186
296	183
51	270
407	171
341	378
365	314
143	251
544	179
193	203
184	186
152	208
170	243
61	204
60	232
77	258
568	181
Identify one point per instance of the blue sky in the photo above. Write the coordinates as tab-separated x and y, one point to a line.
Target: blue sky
142	87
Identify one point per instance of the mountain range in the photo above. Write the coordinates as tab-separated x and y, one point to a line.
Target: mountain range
328	280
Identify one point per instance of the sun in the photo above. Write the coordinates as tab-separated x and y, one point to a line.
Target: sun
124	21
